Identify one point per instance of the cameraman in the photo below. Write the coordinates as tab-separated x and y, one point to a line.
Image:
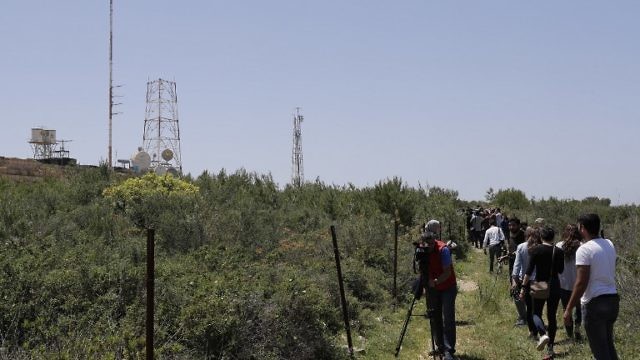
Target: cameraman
440	281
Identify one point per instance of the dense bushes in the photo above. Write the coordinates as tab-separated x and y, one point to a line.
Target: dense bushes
243	269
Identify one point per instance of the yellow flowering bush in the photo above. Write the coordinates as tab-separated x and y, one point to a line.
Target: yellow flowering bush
145	199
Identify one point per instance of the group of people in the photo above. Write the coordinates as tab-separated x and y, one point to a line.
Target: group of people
578	272
480	220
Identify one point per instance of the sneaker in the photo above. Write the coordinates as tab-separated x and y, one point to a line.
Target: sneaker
544	340
521	322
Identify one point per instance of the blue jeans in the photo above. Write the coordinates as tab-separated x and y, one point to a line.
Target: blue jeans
443	321
528	302
599	314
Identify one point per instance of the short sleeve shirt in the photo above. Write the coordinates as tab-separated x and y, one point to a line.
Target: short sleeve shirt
600	255
445	257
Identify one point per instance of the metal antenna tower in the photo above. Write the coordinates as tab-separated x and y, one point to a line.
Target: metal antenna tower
111	86
297	176
161	138
110	164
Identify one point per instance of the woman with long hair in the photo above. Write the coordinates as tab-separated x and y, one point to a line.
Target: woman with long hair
571	241
548	261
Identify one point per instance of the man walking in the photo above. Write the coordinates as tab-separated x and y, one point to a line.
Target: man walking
515	238
494	240
476	229
596	288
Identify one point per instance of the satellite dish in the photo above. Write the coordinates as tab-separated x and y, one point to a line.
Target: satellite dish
167	154
161	170
140	161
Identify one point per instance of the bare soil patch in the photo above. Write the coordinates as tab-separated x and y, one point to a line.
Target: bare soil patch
467	285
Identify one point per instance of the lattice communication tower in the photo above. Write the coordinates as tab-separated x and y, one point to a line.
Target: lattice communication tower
161	139
297	176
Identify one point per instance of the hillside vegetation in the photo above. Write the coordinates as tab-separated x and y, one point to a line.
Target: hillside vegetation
245	270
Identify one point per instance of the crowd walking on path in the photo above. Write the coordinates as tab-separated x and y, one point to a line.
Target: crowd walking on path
577	272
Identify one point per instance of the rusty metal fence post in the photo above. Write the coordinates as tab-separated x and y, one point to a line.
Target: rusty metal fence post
343	299
150	291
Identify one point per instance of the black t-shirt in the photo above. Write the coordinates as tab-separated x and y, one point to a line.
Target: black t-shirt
540	260
516	239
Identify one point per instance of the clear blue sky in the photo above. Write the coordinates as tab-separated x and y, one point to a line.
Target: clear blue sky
543	96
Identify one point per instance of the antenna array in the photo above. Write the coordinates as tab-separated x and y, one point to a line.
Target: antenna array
111	87
110	161
297	176
161	138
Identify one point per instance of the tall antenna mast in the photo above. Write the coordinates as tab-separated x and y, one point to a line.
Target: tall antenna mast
161	137
110	164
297	176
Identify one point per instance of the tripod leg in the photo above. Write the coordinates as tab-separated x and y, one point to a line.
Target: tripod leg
404	327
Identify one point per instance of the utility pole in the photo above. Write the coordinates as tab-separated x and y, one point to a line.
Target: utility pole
297	176
110	160
150	293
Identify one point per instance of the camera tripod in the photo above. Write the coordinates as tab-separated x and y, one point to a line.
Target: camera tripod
437	355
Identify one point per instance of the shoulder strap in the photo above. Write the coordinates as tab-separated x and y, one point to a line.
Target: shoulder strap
553	254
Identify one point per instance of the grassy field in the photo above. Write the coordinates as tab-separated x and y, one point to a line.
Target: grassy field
485	316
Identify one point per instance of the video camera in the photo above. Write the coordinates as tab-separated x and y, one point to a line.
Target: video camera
421	252
421	259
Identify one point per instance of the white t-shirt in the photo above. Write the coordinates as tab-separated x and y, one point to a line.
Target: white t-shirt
600	255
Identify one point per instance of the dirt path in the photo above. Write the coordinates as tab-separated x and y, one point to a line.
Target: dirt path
467	285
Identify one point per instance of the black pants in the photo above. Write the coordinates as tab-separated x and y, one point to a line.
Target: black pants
476	238
494	252
443	305
565	295
552	308
599	315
